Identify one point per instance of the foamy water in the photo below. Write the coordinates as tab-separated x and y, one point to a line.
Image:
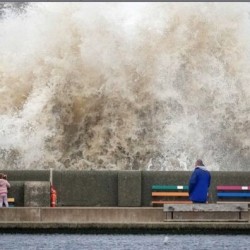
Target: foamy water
125	86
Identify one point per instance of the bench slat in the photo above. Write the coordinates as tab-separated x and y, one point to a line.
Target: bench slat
165	188
227	188
171	202
11	199
238	202
232	194
205	207
170	194
207	220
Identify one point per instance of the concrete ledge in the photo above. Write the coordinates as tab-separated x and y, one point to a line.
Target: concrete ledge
155	225
82	215
87	214
102	215
19	214
106	220
131	228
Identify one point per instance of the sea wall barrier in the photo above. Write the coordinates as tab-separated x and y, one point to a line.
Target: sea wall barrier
106	220
82	215
104	188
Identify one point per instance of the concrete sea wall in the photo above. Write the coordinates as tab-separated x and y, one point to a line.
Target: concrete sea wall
106	188
107	220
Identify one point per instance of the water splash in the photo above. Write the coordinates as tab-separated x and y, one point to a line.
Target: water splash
149	86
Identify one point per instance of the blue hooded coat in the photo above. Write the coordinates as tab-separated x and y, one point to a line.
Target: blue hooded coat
199	184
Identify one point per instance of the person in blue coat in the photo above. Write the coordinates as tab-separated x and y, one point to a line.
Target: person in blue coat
199	183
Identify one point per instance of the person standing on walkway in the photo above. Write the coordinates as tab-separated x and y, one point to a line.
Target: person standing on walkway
4	185
199	183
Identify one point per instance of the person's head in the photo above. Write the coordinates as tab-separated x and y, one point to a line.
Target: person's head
199	163
5	176
1	176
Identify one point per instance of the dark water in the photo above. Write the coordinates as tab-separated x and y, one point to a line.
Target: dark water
110	242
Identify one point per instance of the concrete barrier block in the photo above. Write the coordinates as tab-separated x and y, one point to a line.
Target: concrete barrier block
100	188
16	191
129	188
27	175
36	194
221	178
89	188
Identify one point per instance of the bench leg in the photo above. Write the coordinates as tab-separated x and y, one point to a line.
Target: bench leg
169	216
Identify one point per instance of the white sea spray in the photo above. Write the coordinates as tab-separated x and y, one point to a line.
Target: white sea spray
125	86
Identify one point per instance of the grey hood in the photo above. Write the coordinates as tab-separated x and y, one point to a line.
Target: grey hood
202	167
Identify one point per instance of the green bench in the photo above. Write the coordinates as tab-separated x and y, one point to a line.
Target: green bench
169	194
